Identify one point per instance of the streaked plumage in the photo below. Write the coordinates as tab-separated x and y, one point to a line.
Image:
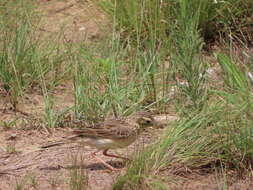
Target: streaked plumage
111	134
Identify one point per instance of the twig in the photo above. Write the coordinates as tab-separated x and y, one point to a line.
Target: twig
62	9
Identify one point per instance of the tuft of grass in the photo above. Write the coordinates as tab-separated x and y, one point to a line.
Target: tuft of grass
186	54
87	91
109	85
234	77
32	180
54	181
217	136
20	184
17	47
78	179
138	21
23	49
136	174
11	149
78	175
6	125
216	18
198	141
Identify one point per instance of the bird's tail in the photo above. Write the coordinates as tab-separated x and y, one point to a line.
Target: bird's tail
68	140
57	143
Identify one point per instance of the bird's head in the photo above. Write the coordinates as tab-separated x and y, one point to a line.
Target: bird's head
145	119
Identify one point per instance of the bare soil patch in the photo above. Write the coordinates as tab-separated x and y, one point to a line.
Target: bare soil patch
211	180
51	168
78	20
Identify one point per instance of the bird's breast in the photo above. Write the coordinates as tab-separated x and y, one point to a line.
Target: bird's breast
104	143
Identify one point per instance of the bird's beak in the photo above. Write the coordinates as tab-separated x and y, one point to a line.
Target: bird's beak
158	125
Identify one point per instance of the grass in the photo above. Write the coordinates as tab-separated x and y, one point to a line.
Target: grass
205	139
186	54
24	56
55	181
78	176
29	180
155	46
33	180
11	149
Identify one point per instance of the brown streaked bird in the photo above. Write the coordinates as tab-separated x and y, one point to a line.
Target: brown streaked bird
111	134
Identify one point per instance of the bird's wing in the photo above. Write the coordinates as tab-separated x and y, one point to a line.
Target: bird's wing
114	129
111	129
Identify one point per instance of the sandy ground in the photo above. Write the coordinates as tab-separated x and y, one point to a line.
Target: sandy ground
31	167
51	168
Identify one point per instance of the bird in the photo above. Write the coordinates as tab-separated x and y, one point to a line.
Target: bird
111	134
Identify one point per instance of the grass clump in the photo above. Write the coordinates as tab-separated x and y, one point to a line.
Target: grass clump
18	47
186	61
78	175
25	56
140	21
206	139
219	136
110	84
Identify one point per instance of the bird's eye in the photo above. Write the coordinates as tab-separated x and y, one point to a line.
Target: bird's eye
148	121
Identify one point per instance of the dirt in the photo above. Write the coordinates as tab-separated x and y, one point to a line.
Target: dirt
51	168
78	20
32	167
24	164
203	179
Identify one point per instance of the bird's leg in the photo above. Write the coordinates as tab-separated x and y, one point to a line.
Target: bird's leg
112	155
103	162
